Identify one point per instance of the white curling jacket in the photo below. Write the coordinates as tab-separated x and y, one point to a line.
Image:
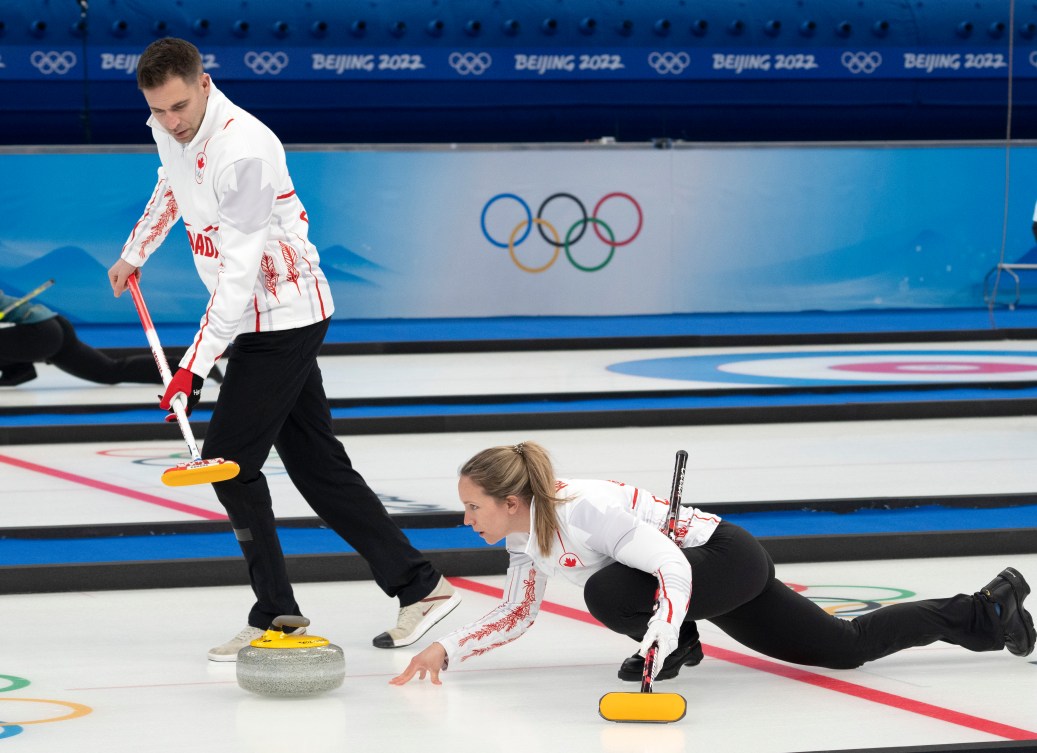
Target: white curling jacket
602	522
246	227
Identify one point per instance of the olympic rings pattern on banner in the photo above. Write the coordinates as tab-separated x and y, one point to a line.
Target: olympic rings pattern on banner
521	231
861	62
470	63
266	62
12	728
54	62
672	63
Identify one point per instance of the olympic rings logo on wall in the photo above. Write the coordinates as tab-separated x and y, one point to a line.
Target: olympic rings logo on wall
861	62
550	234
10	728
669	62
472	63
266	62
53	62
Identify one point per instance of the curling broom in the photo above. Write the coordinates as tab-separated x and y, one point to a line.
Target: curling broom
197	471
647	706
27	297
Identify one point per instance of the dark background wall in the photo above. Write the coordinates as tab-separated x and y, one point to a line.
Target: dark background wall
66	69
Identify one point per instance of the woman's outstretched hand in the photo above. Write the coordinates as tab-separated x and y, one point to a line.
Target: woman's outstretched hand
430	660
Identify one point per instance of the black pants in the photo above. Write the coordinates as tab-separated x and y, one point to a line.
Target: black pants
273	396
55	341
733	586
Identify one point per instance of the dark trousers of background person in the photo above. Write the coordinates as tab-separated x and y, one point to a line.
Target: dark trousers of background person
55	341
273	396
733	586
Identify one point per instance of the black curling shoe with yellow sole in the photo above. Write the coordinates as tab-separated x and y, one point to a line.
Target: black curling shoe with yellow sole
1008	590
633	669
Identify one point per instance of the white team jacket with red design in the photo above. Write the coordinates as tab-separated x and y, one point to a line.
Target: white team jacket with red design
602	522
246	227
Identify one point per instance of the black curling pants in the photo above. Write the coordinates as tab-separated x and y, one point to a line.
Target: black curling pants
273	396
733	586
55	341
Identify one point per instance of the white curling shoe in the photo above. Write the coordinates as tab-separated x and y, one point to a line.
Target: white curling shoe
229	650
416	619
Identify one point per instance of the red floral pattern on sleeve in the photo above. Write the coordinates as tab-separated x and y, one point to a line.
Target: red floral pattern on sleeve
506	622
270	276
161	227
290	259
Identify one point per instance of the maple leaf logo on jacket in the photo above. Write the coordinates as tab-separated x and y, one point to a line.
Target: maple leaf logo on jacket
568	559
199	166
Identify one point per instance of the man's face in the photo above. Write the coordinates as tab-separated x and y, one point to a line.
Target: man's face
179	105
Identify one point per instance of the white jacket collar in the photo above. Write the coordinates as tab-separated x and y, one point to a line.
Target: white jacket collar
213	107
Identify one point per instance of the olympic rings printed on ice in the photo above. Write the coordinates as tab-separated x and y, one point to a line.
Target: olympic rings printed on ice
77	710
53	62
521	231
1033	58
266	62
851	601
472	63
861	62
17	683
669	62
12	728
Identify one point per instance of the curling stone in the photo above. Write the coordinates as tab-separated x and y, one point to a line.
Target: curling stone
285	665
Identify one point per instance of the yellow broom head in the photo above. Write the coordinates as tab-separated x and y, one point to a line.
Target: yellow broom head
200	472
660	708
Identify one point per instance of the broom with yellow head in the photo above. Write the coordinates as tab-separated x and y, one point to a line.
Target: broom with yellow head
197	470
647	706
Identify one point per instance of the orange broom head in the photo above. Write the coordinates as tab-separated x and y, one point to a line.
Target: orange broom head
660	708
200	472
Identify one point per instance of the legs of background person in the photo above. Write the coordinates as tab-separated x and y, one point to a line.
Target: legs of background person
21	345
81	360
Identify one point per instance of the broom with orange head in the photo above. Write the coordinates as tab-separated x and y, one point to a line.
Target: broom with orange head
647	706
197	470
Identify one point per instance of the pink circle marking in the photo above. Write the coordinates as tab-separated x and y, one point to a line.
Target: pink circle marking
935	367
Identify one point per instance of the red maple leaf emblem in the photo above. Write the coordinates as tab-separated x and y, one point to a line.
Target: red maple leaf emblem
569	562
201	161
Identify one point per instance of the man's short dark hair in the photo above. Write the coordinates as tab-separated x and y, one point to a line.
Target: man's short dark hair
168	58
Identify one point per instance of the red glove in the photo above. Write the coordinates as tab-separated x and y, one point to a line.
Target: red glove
186	383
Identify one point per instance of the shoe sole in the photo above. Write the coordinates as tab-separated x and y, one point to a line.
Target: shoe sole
1028	621
1021	589
428	623
1018	583
223	657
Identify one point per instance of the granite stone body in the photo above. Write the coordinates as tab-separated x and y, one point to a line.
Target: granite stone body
287	672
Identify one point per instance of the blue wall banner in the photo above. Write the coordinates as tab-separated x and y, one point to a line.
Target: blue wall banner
266	62
585	231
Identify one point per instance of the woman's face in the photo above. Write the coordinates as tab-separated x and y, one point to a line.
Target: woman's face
490	518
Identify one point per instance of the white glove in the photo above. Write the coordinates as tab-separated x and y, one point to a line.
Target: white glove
664	636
